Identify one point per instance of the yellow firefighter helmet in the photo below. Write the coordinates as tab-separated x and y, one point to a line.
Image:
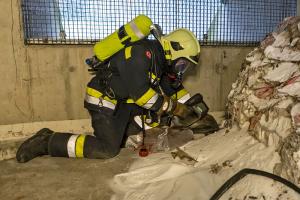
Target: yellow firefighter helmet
181	43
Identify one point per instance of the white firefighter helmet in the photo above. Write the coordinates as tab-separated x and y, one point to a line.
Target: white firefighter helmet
181	43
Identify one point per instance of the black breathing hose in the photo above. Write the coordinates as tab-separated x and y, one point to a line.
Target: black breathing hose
143	129
241	174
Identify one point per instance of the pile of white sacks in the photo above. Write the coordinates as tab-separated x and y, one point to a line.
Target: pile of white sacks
266	95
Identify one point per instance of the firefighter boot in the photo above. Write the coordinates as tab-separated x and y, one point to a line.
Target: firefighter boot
35	146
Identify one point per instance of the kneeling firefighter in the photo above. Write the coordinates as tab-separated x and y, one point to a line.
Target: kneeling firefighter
137	87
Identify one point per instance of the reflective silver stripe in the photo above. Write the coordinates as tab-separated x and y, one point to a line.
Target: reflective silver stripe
151	101
136	30
71	146
184	98
99	102
138	120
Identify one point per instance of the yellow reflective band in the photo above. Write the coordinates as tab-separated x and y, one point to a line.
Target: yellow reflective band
153	76
138	120
154	124
128	52
166	46
110	100
180	94
167	50
94	93
129	101
146	97
79	146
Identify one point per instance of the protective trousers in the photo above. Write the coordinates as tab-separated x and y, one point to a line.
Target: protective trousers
111	129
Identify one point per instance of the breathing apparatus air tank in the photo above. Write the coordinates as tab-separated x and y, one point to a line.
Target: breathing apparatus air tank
135	30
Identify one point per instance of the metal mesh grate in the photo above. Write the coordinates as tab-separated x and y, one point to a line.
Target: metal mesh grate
215	22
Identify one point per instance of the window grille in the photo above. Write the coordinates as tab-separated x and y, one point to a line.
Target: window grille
214	22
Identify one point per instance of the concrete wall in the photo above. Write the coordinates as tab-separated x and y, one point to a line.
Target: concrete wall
218	69
42	83
38	83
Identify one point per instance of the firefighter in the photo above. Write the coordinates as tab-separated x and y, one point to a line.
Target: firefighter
139	88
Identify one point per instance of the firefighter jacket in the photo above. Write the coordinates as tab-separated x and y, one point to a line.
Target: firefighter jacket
136	74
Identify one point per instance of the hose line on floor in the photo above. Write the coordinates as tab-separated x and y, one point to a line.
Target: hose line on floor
244	172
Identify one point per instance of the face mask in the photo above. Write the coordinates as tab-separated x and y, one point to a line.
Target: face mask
179	67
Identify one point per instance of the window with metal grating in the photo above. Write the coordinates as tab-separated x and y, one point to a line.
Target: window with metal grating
215	22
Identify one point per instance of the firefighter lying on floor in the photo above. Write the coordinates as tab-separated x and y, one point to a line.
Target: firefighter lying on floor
140	84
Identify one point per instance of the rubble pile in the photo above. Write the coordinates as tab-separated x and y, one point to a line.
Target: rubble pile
266	95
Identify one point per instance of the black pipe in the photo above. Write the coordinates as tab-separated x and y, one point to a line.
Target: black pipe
241	174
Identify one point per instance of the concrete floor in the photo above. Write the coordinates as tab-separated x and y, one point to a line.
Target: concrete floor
67	179
61	178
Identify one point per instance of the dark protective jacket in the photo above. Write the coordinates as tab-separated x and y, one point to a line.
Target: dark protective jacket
137	74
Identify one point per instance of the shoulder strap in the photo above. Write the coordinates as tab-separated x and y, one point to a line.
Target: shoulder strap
153	68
